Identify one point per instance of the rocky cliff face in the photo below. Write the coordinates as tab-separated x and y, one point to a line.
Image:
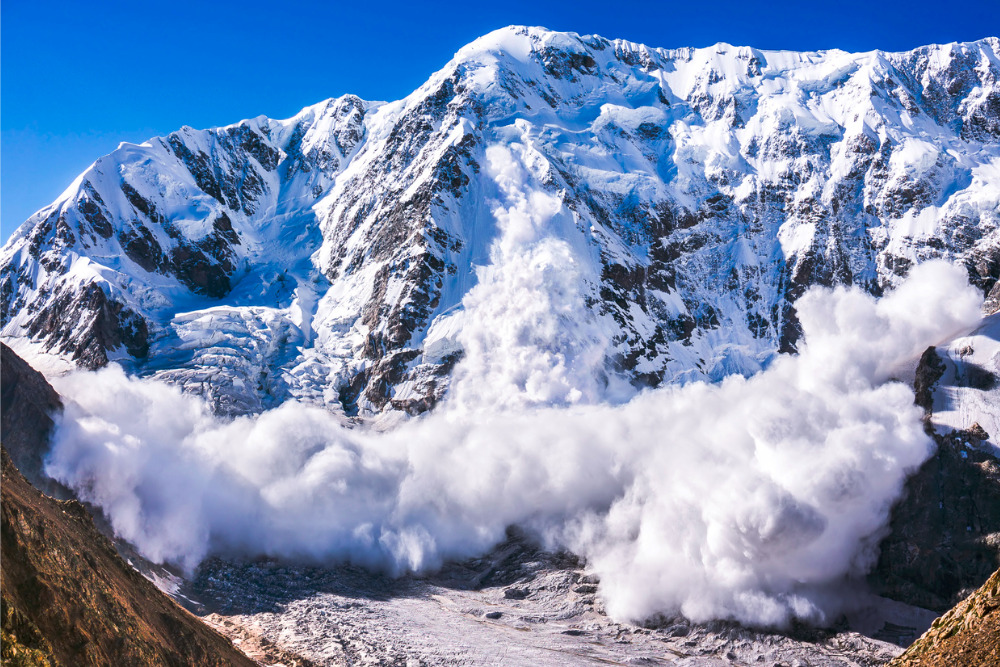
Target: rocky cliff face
944	539
27	405
945	530
685	198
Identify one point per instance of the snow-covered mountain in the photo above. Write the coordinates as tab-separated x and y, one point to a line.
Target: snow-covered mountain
575	217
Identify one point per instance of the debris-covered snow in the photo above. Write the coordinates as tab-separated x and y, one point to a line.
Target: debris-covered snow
516	605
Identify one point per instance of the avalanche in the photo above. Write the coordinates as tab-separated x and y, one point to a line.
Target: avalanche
754	499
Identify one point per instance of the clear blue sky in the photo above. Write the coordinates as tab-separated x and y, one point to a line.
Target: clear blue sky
76	78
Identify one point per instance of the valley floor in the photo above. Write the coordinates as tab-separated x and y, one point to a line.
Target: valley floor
516	606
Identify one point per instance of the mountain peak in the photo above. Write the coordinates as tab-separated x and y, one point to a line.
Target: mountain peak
517	40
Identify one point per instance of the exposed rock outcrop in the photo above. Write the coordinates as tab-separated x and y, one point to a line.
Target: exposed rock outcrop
27	404
945	530
967	636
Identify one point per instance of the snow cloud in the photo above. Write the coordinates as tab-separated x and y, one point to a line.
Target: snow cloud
752	499
528	337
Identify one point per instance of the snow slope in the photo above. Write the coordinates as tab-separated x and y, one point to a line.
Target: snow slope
577	217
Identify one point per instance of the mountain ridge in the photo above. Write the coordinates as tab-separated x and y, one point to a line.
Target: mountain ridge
333	257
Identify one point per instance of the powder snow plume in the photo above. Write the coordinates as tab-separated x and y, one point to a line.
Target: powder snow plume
752	499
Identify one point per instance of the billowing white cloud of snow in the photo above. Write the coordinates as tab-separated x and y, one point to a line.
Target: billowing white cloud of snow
528	337
752	499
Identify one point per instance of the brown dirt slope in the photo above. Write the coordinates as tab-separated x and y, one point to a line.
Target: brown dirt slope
967	636
68	595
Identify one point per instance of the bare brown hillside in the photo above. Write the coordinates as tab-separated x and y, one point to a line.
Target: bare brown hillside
82	605
967	636
67	597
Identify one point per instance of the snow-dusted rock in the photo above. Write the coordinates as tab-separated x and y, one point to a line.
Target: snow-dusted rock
593	216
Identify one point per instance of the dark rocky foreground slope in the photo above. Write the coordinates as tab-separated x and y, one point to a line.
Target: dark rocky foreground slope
68	598
28	405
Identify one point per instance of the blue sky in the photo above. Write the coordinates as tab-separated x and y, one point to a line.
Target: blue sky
78	78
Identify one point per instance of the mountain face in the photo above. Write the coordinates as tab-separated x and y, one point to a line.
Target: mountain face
630	215
27	406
